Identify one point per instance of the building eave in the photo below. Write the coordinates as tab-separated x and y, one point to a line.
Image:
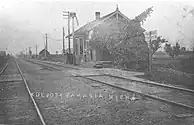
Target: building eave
113	13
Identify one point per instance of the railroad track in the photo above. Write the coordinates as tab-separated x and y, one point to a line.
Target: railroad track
44	64
173	95
17	105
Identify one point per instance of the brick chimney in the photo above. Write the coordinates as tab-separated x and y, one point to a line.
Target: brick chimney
97	15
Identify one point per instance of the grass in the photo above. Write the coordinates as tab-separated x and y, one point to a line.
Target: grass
184	62
3	60
173	77
166	70
179	71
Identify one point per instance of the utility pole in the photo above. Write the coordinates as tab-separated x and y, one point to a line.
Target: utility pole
36	50
30	52
69	31
150	58
150	35
46	42
70	15
73	15
67	14
26	52
46	46
63	41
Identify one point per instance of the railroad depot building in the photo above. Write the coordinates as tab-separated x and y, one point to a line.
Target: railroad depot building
101	26
42	53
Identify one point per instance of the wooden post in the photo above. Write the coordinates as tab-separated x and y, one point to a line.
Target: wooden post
46	42
45	47
150	54
63	41
73	15
69	31
78	51
36	51
29	52
69	46
26	52
73	28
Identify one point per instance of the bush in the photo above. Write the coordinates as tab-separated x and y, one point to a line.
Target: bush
176	77
3	60
170	76
130	59
187	65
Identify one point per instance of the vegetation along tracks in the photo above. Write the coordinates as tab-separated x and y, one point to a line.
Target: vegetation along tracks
173	95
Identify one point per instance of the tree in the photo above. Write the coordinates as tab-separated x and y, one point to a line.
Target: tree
156	44
30	52
183	49
169	50
176	49
125	41
173	51
143	16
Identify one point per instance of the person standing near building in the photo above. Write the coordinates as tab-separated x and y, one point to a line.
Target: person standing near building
85	55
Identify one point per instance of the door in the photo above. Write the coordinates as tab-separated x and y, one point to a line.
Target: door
91	56
81	46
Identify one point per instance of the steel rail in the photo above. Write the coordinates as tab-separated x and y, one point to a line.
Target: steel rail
61	65
29	92
46	66
143	94
154	83
146	82
3	69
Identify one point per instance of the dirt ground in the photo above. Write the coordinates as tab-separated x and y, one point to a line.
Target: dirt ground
75	101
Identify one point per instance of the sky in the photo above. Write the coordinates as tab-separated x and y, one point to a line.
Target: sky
23	24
